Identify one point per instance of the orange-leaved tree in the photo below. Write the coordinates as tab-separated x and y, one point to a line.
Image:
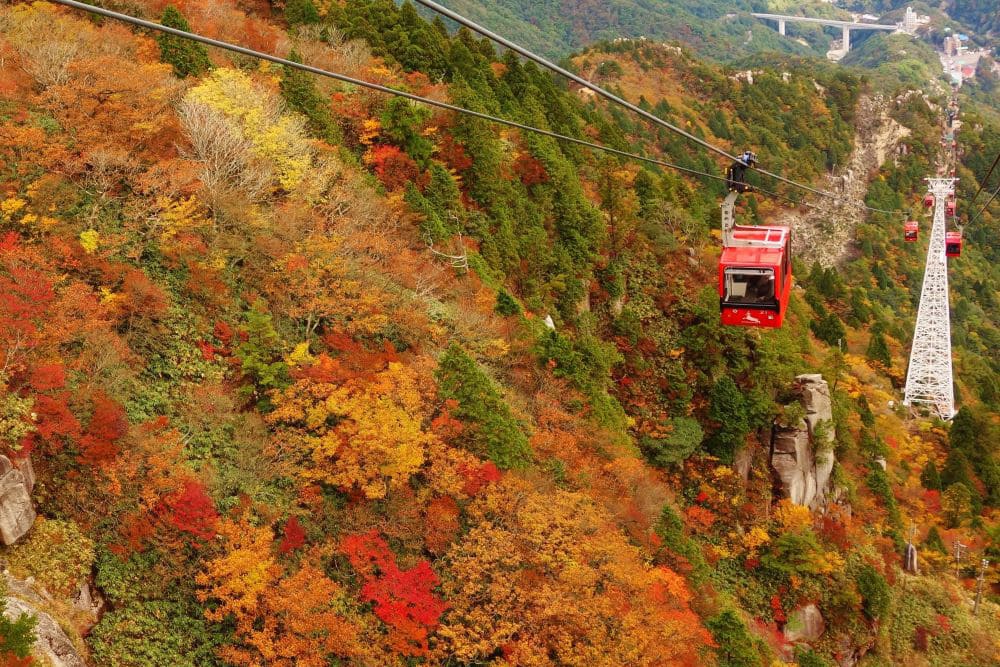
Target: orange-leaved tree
281	620
364	434
548	578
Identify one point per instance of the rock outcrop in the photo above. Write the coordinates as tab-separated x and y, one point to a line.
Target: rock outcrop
827	235
17	514
802	454
52	645
805	624
51	642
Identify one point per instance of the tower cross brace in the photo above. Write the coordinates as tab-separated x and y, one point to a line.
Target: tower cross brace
929	376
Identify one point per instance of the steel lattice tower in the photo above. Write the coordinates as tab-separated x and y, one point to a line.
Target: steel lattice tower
928	379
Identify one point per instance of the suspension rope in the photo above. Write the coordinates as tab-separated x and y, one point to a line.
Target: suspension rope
988	202
986	179
399	93
475	27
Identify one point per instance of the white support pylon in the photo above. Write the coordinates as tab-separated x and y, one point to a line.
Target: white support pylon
928	378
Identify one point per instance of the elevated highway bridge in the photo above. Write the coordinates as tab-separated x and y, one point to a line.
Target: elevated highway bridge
846	26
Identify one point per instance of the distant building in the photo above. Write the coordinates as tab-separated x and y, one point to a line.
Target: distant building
912	21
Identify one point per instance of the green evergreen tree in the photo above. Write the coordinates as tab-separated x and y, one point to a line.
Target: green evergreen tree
684	437
506	304
878	481
956	470
402	121
494	431
299	91
865	412
260	355
964	432
874	590
878	349
443	193
432	227
728	408
301	12
735	643
17	637
930	478
861	312
829	329
934	541
188	58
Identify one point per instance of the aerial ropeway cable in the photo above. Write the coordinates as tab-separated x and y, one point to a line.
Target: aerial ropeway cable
755	257
986	206
150	25
475	27
986	179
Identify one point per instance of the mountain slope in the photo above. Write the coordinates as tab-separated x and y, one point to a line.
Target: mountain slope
717	30
280	352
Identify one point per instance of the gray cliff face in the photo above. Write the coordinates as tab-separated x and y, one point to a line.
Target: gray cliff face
51	642
17	514
802	455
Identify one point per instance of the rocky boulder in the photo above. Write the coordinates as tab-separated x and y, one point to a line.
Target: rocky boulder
17	514
51	642
802	454
805	624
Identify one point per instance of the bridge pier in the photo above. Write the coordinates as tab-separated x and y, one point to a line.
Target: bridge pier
847	39
781	26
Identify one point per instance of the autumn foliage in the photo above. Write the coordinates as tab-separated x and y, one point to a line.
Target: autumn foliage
403	599
313	377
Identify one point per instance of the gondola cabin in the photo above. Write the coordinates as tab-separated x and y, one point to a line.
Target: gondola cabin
949	208
755	277
953	244
929	201
910	230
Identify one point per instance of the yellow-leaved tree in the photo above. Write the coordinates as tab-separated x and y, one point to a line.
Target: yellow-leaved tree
282	621
548	578
243	137
365	433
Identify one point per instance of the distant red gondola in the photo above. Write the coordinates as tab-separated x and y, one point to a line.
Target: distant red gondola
953	244
929	201
910	230
949	208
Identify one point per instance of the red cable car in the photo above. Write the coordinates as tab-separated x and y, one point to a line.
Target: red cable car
949	208
929	200
755	270
953	244
910	230
755	277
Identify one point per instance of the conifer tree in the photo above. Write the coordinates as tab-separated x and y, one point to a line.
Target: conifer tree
829	329
506	304
878	349
300	94
727	407
188	58
930	478
934	541
300	12
495	432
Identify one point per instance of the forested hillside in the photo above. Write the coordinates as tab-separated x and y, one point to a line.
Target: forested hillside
311	375
719	30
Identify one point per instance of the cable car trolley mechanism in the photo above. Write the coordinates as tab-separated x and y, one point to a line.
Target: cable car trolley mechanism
755	270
